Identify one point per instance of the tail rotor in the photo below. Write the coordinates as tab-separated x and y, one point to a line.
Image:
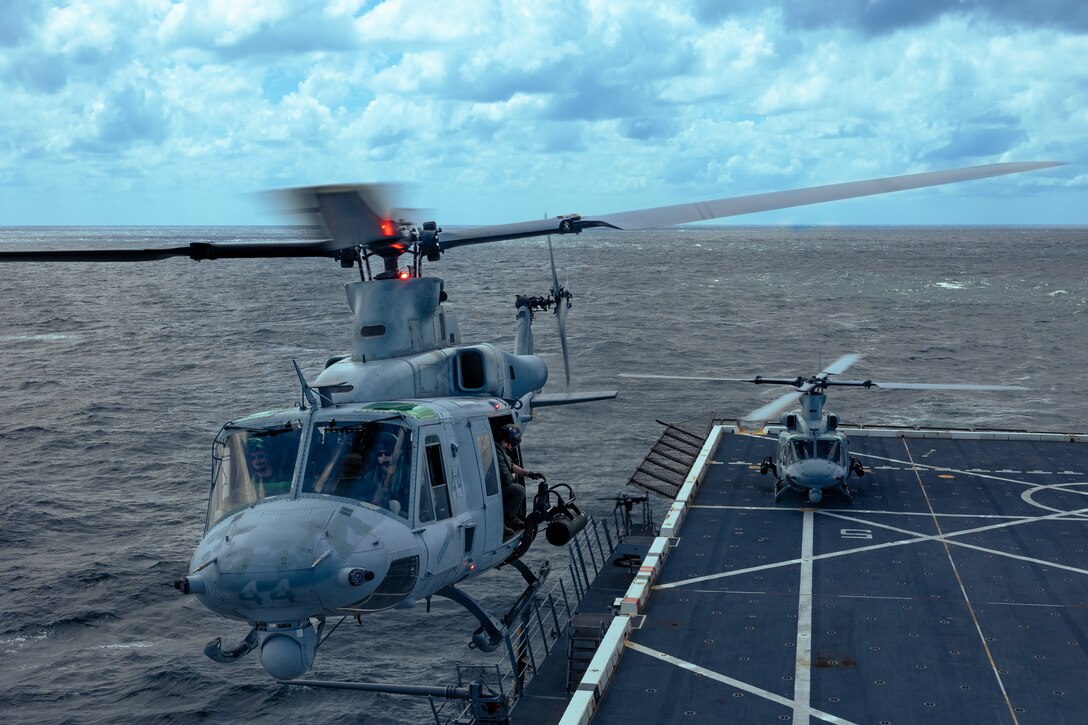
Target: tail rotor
561	298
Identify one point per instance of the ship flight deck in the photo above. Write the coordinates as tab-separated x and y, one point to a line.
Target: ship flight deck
954	588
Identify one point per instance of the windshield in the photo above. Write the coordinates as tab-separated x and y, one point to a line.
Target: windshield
368	462
252	464
828	449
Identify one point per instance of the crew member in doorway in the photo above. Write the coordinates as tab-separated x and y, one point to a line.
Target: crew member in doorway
513	493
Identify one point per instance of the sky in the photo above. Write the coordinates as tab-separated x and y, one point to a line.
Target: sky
147	112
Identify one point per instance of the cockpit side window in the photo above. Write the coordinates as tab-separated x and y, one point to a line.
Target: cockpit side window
252	465
368	462
434	491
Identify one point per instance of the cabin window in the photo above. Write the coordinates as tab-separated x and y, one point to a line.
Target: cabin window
367	462
252	464
484	444
802	449
434	494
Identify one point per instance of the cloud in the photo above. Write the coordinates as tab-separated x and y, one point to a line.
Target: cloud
496	104
18	21
972	143
256	28
881	17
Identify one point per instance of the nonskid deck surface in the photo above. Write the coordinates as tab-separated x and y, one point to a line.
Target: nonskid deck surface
954	588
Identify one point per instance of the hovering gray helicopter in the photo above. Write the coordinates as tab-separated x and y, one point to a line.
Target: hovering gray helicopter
382	488
813	455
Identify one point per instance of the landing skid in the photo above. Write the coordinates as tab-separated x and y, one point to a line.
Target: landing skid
215	651
491	632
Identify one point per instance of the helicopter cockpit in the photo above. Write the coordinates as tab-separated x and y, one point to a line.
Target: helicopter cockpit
366	461
253	463
825	448
367	457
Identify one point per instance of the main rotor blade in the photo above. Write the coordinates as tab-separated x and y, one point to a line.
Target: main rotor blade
841	365
691	377
733	206
352	214
501	232
664	216
195	251
773	409
357	215
942	386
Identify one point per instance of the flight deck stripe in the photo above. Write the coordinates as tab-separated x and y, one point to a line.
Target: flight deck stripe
726	680
802	671
720	507
947	539
945	469
875	547
966	598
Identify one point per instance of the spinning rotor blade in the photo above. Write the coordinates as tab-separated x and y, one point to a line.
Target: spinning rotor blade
664	216
688	377
939	386
360	216
732	206
196	251
841	365
773	409
352	214
560	312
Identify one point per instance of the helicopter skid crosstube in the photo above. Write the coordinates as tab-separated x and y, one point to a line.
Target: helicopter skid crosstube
781	487
491	632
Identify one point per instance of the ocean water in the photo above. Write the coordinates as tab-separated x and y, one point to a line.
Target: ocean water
117	377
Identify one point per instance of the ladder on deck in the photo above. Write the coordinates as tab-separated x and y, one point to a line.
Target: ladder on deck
585	633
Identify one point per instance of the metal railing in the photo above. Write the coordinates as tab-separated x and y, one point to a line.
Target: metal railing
532	633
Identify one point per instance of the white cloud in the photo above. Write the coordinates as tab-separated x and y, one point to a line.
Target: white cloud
494	106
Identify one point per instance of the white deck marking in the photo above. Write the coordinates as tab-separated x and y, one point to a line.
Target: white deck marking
967	599
947	539
802	670
917	539
864	511
726	680
910	465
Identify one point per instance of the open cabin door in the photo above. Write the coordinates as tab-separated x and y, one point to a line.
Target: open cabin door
487	471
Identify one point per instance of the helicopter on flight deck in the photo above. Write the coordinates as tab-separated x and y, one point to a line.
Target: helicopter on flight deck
382	488
813	454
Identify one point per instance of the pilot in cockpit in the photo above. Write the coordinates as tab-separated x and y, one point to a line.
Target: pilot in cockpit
385	483
267	480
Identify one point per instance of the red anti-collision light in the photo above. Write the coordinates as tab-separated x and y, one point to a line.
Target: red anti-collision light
403	274
388	228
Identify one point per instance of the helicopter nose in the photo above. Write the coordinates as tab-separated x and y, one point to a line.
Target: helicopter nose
266	566
816	474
